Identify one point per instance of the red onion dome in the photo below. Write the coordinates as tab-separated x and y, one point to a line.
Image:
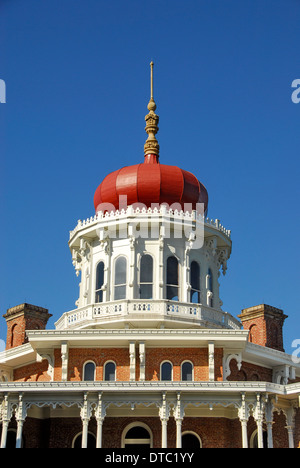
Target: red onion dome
150	183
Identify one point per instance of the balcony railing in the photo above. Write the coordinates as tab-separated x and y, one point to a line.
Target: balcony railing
146	310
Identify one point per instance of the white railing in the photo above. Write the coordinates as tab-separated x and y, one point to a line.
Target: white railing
143	309
146	212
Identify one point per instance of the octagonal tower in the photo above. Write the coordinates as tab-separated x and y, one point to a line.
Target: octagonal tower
149	257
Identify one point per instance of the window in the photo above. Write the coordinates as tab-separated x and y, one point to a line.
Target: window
137	435
195	283
146	277
190	440
166	371
99	282
172	279
110	372
89	372
120	278
254	439
187	371
77	441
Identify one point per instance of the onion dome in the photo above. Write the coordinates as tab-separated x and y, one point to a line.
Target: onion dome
150	182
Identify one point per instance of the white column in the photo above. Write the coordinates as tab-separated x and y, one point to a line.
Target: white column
162	236
211	361
178	416
100	414
5	424
258	416
142	350
20	418
85	425
132	360
269	422
290	414
6	417
244	416
64	361
164	413
85	417
99	432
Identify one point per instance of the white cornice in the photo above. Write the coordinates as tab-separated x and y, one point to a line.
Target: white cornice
18	356
145	387
152	337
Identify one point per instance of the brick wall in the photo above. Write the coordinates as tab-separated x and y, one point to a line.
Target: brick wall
198	357
78	356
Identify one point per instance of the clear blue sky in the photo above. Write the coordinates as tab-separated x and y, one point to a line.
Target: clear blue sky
77	78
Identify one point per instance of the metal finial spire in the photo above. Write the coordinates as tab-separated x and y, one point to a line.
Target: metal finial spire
151	145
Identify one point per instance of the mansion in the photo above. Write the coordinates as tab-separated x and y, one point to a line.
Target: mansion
148	358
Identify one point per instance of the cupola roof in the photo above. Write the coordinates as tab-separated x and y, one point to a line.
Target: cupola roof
150	182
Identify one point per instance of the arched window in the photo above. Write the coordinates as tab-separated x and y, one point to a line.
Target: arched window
254	439
166	369
120	278
252	333
195	283
99	282
110	372
146	277
172	279
187	371
89	369
137	435
190	440
91	441
13	335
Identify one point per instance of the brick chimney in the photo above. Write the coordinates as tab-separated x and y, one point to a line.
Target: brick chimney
21	318
265	324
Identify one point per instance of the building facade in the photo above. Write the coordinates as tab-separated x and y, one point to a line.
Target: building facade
148	359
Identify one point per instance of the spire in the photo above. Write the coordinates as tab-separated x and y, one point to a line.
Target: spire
151	146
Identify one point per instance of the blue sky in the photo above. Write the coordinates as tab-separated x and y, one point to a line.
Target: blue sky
77	87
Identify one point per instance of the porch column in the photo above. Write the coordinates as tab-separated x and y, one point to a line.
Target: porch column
290	414
142	351
243	413
85	414
269	422
20	418
164	413
132	360
6	417
259	416
178	416
100	414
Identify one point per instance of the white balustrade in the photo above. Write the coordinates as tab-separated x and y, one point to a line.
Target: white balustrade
162	309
